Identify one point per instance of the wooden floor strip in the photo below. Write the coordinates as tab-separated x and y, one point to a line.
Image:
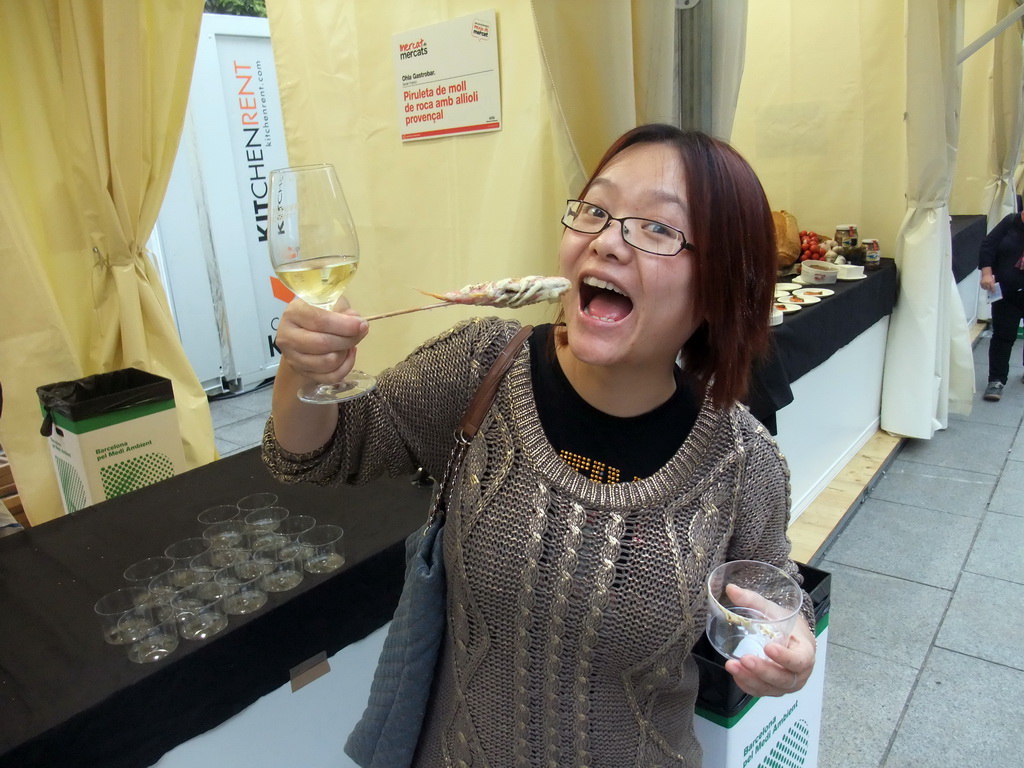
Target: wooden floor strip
824	517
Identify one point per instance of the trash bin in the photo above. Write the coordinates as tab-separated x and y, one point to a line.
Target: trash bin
110	433
737	730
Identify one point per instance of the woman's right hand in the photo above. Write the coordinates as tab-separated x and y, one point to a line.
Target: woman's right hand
317	344
988	280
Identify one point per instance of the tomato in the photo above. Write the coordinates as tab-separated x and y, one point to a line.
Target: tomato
822	250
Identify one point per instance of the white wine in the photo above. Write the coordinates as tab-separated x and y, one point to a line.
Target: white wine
319	281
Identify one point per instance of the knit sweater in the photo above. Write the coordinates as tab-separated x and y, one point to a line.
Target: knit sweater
572	605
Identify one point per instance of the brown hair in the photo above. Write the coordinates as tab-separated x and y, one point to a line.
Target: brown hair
732	223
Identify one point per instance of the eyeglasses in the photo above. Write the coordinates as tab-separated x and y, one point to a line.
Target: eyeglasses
646	234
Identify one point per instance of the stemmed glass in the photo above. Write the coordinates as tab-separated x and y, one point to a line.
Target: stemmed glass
315	252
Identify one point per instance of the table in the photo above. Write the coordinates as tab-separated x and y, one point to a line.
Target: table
966	234
808	338
69	699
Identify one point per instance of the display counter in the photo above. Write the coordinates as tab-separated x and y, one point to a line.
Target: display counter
966	234
808	338
819	391
69	699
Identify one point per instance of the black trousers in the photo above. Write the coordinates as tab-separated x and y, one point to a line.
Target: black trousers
1006	317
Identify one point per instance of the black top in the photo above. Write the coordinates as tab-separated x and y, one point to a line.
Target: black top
608	449
1001	249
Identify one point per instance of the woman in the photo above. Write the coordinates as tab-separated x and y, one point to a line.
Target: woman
1001	259
605	483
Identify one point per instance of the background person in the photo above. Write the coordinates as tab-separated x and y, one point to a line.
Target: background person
606	481
1001	259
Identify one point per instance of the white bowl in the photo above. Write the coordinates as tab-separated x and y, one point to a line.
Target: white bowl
819	272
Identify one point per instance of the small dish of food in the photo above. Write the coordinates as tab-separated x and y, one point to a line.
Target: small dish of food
786	308
803	301
818	293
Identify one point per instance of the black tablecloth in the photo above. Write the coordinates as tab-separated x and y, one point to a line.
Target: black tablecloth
967	233
69	699
808	338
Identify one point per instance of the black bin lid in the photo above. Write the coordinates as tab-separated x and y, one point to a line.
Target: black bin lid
101	393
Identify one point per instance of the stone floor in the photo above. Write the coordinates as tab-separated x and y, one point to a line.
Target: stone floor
922	670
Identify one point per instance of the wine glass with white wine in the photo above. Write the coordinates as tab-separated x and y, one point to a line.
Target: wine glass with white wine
315	252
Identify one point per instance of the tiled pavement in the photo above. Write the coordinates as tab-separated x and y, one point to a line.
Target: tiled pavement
926	655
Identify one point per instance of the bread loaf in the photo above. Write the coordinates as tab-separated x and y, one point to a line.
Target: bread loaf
787	238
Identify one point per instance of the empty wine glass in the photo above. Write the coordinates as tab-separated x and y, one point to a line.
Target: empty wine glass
315	252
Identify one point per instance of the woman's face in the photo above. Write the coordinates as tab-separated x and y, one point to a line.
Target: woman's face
626	307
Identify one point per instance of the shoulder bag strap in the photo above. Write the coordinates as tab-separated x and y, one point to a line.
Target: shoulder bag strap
481	402
475	413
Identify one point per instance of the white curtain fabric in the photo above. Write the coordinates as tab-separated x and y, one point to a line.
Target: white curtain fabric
1008	116
928	364
627	51
728	53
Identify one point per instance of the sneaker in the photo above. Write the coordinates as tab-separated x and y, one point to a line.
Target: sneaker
993	391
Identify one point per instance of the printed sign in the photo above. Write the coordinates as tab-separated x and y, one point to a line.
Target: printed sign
448	79
249	82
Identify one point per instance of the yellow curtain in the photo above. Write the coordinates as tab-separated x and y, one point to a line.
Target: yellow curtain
445	212
820	112
991	116
95	96
1008	113
611	67
728	57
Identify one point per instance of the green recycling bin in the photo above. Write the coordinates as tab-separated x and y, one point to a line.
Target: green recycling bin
110	433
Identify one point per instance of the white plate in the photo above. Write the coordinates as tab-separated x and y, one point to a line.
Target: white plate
801	301
786	308
857	277
814	293
787	286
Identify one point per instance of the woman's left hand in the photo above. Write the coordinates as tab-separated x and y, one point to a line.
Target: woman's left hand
784	671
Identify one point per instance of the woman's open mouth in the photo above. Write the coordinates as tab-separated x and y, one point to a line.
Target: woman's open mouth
603	301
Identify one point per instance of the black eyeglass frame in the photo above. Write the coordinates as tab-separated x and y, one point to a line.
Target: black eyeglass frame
566	218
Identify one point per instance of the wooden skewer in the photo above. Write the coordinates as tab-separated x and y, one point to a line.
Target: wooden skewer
410	309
